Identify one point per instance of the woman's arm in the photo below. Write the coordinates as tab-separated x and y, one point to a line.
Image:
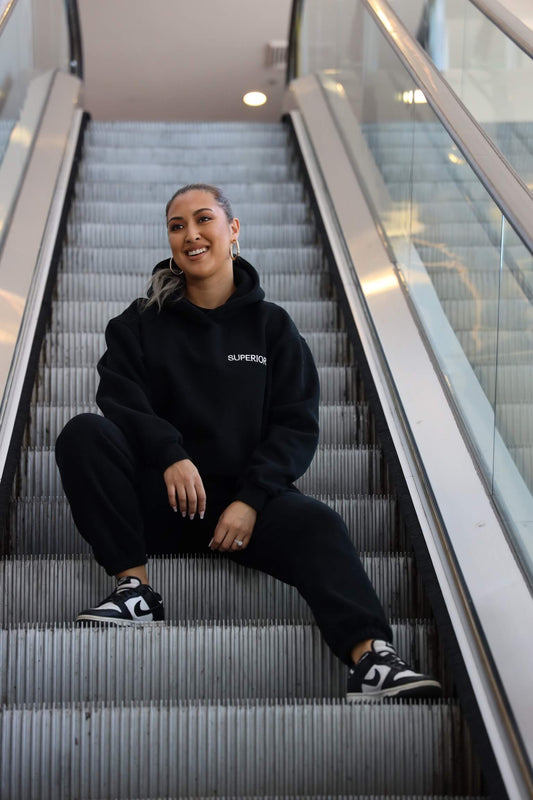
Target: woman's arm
291	436
124	395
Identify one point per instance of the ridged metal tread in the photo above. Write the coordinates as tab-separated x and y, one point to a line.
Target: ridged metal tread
224	661
153	213
260	191
44	525
339	424
171	156
482	347
92	316
92	286
194	588
474	285
242	748
142	259
73	385
92	234
334	470
511	315
139	173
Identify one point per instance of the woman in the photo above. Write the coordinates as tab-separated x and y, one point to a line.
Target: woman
210	397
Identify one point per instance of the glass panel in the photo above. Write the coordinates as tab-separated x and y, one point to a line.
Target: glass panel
472	296
513	379
492	75
33	43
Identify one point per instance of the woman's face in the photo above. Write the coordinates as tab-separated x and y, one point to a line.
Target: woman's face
199	234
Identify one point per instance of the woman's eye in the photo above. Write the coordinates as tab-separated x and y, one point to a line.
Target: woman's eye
205	219
175	227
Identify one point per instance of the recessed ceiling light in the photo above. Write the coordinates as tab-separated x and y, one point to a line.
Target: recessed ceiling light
254	98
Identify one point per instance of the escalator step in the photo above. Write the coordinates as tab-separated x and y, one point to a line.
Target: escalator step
91	234
154	213
73	385
142	259
260	191
89	316
236	661
44	525
84	349
334	470
194	588
244	748
146	173
339	424
72	286
173	157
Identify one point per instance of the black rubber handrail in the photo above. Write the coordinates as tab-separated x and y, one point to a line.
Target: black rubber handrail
74	37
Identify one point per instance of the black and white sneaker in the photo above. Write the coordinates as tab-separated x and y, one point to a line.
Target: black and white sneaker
382	673
130	603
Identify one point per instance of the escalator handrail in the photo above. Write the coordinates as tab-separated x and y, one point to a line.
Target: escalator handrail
508	23
74	37
6	14
294	40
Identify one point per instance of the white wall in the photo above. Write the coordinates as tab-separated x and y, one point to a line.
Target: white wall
181	59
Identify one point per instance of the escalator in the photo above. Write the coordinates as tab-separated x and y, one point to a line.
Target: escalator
237	695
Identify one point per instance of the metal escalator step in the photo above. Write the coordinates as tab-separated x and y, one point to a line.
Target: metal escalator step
142	259
44	525
74	385
91	234
147	173
72	286
172	135
474	286
515	423
154	213
194	588
260	191
185	661
515	383
334	470
484	347
84	349
91	316
490	314
171	156
251	747
339	424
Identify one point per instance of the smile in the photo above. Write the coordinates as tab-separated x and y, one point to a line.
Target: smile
196	252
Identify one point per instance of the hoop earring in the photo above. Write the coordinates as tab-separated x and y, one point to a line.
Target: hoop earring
233	254
179	273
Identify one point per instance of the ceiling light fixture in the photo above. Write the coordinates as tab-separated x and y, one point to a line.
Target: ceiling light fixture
254	98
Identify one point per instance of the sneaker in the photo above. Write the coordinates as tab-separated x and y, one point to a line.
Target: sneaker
382	673
130	603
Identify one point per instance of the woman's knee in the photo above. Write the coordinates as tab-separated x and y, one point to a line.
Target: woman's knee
82	434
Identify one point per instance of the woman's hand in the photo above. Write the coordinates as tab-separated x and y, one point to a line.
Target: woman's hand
236	524
185	488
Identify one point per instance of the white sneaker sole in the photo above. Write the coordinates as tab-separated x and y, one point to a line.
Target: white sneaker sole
407	690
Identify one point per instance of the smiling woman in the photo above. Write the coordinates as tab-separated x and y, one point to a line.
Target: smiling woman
202	232
210	401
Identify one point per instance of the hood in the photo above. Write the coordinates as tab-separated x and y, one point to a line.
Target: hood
248	290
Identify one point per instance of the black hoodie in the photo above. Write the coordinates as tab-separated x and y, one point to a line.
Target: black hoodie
234	389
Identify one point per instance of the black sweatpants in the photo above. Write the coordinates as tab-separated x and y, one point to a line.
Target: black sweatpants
122	510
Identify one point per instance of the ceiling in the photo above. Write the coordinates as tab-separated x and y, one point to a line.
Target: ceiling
181	60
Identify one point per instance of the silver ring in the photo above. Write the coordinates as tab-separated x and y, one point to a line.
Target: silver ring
238	542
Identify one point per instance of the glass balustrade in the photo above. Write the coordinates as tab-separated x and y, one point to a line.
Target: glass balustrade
489	72
33	43
467	273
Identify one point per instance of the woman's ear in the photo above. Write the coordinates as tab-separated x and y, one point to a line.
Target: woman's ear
235	227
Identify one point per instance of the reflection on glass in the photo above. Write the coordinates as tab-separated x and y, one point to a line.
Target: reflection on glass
470	279
513	382
492	75
33	43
